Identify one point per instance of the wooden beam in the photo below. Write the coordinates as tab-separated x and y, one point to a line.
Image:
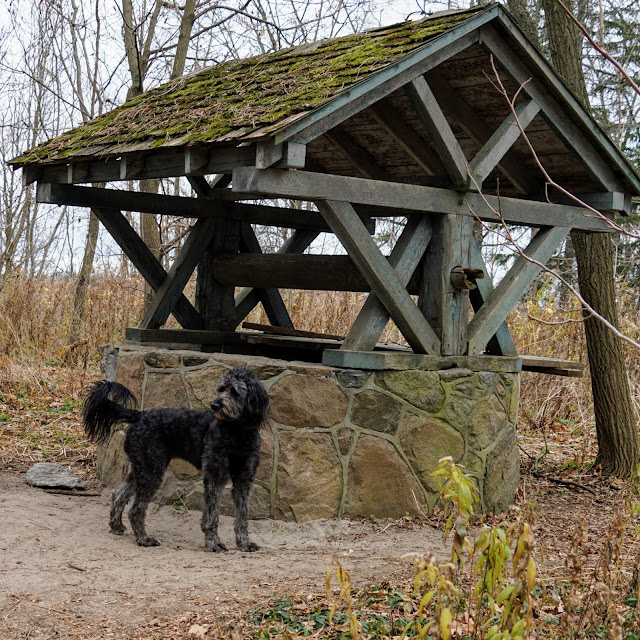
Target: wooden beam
286	155
145	262
381	360
181	270
500	344
157	164
614	202
391	195
440	134
130	167
358	155
404	258
207	205
564	125
249	297
485	161
195	160
490	316
380	275
391	120
445	307
476	128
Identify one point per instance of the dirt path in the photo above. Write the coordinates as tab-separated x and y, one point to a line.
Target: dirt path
63	575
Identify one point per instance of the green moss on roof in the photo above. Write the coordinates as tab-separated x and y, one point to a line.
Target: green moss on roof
245	96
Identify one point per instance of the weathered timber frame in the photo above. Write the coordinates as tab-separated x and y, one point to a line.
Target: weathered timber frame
341	160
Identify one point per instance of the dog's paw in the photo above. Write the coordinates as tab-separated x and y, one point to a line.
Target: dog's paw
215	547
149	541
249	546
118	529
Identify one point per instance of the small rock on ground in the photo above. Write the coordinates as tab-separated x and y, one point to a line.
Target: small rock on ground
48	475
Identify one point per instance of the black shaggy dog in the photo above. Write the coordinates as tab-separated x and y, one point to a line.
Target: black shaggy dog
224	443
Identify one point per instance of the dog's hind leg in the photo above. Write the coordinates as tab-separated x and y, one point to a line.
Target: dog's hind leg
119	499
145	489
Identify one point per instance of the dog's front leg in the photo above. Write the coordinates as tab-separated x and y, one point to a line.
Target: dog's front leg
241	491
213	485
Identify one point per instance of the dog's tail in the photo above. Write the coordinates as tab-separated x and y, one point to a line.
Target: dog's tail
106	404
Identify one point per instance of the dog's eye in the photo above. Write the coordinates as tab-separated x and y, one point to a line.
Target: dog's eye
234	392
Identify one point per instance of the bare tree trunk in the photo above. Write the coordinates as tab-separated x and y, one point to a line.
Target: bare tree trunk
82	289
618	450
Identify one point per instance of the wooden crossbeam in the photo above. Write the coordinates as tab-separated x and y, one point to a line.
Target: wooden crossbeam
146	263
208	204
181	270
477	129
440	134
563	125
391	195
249	297
502	140
490	316
404	258
380	275
501	343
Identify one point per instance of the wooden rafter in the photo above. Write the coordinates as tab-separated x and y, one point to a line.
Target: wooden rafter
496	147
358	155
563	125
391	121
440	134
477	129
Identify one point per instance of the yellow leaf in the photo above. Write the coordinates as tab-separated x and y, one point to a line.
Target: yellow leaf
531	574
445	623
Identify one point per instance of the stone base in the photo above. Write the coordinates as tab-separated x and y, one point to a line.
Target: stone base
340	442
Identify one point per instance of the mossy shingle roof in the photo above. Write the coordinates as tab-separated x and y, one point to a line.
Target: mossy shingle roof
245	99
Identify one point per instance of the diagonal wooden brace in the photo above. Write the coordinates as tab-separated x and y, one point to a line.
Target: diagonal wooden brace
501	344
490	316
404	258
183	266
146	263
380	275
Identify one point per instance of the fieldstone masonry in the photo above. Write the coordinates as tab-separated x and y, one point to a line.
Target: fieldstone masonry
340	443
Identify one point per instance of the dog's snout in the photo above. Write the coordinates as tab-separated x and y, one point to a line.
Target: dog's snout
216	405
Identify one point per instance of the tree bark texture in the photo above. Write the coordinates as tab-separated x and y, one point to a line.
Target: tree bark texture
82	288
618	450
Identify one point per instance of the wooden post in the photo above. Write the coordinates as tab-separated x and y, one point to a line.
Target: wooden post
215	302
445	307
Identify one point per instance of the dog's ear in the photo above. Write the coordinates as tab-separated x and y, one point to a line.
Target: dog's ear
256	402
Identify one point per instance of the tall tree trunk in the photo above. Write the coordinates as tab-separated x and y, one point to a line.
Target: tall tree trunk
82	289
618	450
